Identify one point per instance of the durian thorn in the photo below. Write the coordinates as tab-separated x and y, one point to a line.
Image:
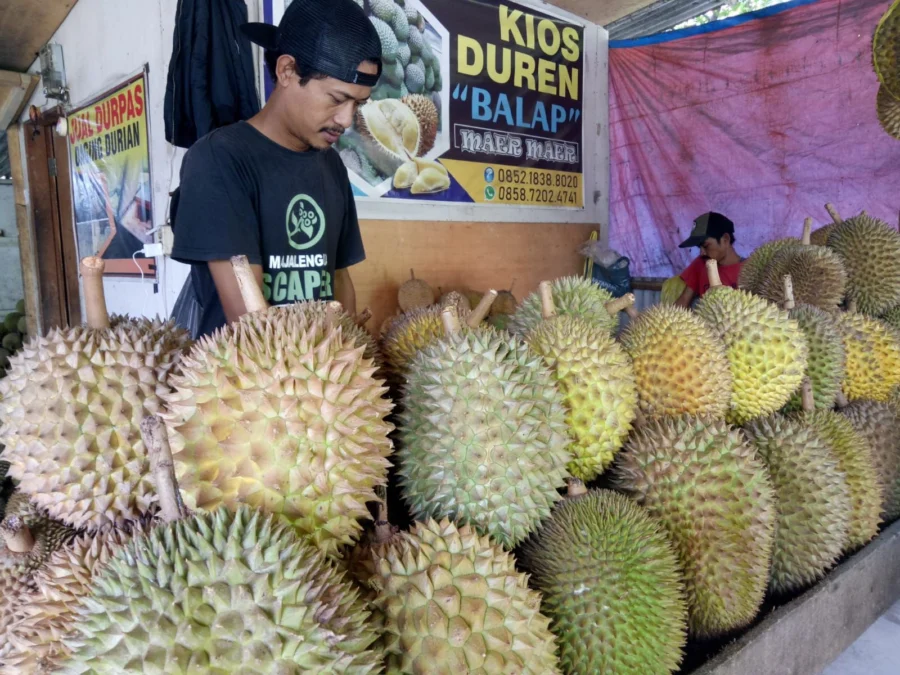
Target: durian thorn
841	400
251	293
16	534
789	301
94	299
621	304
548	309
153	431
712	270
333	312
575	487
450	319
835	216
807	232
481	309
807	400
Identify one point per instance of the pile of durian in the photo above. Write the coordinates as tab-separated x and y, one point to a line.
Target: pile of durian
491	486
13	333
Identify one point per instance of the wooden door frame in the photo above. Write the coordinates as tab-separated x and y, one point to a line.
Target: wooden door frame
51	224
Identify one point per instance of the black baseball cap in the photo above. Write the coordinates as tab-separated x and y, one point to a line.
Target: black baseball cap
331	37
710	224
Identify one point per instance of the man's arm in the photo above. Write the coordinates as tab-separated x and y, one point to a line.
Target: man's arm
685	299
229	291
344	292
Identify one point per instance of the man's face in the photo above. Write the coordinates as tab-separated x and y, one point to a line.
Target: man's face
321	110
714	249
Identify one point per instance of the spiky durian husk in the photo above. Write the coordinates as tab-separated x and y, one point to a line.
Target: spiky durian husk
820	237
812	500
766	350
408	334
611	585
454	603
597	381
7	487
281	411
825	365
879	424
888	110
892	318
222	592
571	295
872	357
702	480
679	363
753	268
16	594
38	645
72	404
48	535
483	436
817	273
854	459
870	249
352	331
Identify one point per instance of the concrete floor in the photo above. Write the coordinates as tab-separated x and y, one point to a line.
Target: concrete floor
875	652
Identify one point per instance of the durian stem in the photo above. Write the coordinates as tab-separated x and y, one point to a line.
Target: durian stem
622	304
841	400
851	305
153	431
94	298
807	400
16	534
511	286
548	309
807	232
251	293
363	317
383	529
835	216
575	487
481	309
412	275
789	301
450	319
712	270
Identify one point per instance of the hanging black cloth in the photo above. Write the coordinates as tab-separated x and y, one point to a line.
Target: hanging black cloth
211	81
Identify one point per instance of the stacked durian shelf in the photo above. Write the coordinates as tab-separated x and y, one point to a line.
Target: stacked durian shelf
489	486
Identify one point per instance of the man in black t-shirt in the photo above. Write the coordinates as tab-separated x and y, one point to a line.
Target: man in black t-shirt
272	188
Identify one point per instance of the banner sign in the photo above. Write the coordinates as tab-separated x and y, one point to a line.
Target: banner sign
109	156
480	101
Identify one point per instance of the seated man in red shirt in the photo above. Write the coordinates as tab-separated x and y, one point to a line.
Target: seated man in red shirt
713	233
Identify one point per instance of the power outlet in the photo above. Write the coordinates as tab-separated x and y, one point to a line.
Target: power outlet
153	250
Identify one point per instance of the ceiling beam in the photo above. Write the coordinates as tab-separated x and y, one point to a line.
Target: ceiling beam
601	12
26	26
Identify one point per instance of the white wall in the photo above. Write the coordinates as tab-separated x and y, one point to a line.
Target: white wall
105	41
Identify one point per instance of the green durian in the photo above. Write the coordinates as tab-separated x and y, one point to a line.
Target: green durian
571	295
825	365
879	424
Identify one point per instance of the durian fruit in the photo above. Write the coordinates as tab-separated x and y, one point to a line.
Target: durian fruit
854	458
71	406
506	302
892	318
17	593
414	294
812	500
458	300
886	50
611	585
281	411
888	109
453	602
878	423
597	381
872	357
571	295
870	249
701	479
220	592
766	349
426	112
390	133
817	274
483	437
28	536
753	268
672	289
679	363
825	364
820	237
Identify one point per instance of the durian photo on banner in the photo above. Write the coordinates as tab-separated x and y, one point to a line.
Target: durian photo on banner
479	101
109	156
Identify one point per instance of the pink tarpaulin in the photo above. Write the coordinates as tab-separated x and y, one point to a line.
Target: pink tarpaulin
764	121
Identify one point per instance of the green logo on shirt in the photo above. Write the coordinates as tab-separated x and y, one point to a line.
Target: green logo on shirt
305	222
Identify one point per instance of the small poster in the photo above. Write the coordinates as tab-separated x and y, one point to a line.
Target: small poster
109	156
480	101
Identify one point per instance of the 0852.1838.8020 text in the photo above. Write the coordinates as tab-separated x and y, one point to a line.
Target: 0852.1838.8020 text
536	186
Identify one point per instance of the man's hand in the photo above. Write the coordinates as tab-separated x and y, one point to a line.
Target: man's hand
228	289
344	292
